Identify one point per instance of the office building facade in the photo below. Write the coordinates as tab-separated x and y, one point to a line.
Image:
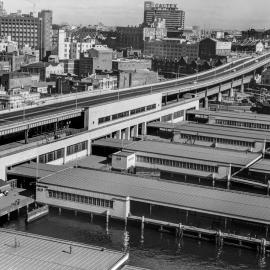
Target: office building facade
23	29
174	17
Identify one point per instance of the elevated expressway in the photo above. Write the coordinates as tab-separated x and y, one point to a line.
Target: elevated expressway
205	84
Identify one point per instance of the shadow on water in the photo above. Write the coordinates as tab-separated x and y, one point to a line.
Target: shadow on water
151	249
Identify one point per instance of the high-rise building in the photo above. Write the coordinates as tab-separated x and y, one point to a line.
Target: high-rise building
46	31
174	17
22	28
28	29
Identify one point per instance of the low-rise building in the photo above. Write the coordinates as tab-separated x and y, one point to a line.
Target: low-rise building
44	69
135	78
211	48
102	82
69	48
131	64
98	58
248	46
171	48
17	80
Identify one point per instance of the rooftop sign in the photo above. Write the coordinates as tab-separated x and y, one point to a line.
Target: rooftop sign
165	6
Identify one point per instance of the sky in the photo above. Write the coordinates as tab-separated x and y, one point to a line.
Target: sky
224	14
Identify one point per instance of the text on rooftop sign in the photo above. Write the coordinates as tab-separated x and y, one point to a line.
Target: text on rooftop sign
165	6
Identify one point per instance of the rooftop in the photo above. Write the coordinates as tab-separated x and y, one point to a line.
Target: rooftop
28	251
262	166
32	170
193	152
201	199
113	143
215	130
128	267
240	116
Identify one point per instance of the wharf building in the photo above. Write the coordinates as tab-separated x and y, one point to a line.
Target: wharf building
232	119
30	251
177	160
212	135
130	198
174	17
121	119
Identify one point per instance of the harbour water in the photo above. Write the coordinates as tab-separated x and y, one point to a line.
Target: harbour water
155	251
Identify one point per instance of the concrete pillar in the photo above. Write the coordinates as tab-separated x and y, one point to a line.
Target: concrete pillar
118	134
180	230
142	224
89	148
187	217
55	127
242	89
219	97
231	94
127	133
178	97
107	220
135	131
107	216
225	223
65	155
166	99
26	135
144	128
206	102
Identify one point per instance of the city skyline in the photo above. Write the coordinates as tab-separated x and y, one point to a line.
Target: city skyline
207	14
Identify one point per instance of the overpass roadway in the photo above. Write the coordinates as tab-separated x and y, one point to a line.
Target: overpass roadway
204	79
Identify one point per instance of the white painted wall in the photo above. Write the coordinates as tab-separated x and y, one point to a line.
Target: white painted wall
120	209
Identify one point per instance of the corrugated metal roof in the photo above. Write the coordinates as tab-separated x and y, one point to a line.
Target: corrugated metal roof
110	142
129	267
262	166
195	152
242	134
35	252
217	202
242	116
34	170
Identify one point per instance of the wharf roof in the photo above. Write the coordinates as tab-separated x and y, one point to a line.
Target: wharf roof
210	130
113	143
33	170
192	152
129	267
262	166
239	116
178	195
35	252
